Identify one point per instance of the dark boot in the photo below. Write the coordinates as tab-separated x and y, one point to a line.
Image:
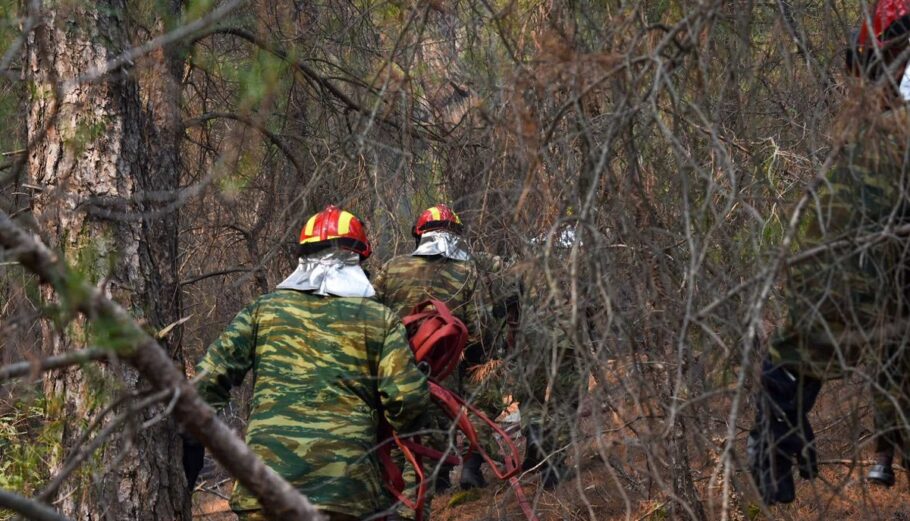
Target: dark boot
443	481
551	474
772	473
882	472
539	452
471	474
534	451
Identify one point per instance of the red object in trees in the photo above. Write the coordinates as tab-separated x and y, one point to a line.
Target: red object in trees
886	12
438	339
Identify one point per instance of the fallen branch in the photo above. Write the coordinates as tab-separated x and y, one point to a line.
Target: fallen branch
20	369
29	508
278	498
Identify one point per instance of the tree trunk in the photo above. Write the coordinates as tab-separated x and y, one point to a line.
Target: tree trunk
97	150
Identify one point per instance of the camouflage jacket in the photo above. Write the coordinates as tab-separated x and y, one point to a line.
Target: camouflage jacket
408	280
323	368
850	277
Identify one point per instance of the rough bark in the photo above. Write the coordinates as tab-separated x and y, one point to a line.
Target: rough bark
107	144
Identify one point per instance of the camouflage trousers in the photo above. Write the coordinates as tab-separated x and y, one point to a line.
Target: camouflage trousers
549	399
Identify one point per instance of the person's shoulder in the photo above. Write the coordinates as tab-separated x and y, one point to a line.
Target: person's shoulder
281	296
404	263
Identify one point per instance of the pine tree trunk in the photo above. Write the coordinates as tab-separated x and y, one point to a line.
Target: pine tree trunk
97	149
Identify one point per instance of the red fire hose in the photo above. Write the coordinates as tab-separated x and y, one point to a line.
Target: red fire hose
438	339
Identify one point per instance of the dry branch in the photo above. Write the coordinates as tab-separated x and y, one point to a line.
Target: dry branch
19	369
277	496
178	34
285	149
29	508
323	83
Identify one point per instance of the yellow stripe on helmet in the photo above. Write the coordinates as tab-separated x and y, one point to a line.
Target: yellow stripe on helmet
310	225
435	213
344	223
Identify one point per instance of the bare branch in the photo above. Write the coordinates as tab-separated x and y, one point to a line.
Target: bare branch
19	369
197	278
321	81
29	508
178	34
85	451
252	123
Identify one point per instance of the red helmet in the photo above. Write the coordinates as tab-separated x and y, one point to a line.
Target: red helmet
888	32
334	227
439	217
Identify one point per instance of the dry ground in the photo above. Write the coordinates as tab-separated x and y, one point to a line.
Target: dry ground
626	491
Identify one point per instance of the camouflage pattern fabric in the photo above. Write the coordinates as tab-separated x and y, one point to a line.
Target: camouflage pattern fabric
484	381
845	293
406	281
548	370
325	368
861	287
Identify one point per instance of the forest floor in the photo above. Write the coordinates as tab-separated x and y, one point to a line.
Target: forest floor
611	492
856	502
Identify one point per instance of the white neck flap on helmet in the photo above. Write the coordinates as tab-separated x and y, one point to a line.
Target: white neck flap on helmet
333	272
442	243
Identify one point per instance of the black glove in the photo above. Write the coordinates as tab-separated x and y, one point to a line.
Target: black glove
782	434
193	459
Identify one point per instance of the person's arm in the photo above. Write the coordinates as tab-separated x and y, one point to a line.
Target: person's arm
224	365
379	284
402	386
228	359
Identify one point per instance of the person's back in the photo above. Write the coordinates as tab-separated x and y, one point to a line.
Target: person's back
847	283
328	362
408	280
441	268
318	382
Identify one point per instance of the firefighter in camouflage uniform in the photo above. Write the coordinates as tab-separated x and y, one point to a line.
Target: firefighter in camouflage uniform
327	361
846	286
548	373
442	268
